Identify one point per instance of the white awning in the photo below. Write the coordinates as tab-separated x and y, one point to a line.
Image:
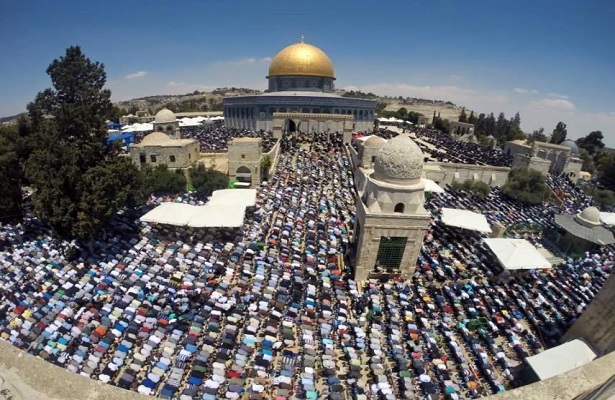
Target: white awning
170	214
607	217
465	219
226	208
560	359
230	216
242	197
431	186
517	254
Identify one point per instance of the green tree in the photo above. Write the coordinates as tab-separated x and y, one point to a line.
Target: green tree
559	133
472	119
79	181
265	166
538	135
588	161
592	142
605	169
160	180
10	176
478	189
462	116
502	126
402	113
207	180
526	185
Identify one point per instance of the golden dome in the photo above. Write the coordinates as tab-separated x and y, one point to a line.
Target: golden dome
301	59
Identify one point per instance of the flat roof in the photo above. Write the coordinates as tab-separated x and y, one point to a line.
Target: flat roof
226	208
560	359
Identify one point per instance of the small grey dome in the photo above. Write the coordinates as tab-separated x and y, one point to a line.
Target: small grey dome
375	142
399	161
574	149
590	217
165	115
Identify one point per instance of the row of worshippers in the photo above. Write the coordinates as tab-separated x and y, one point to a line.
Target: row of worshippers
273	312
217	137
447	148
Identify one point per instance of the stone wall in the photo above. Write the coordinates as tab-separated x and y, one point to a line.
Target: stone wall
371	227
596	326
493	176
575	384
273	155
531	162
245	153
31	378
176	156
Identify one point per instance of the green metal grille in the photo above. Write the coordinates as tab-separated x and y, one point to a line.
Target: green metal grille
391	252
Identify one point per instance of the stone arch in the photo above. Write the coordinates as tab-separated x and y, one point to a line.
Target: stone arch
243	174
399	208
290	125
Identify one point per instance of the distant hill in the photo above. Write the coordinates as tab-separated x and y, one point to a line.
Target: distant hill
212	101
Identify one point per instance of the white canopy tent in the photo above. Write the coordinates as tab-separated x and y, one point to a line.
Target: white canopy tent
431	186
189	122
560	359
517	254
241	197
465	219
138	128
226	208
170	214
607	217
230	216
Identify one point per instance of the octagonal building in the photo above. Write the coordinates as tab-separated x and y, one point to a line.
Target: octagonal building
302	96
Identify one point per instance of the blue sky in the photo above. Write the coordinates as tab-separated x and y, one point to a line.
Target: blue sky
551	60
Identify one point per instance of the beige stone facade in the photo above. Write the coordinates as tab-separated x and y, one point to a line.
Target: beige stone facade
308	122
461	128
390	218
561	158
447	173
521	160
158	148
244	160
165	121
372	227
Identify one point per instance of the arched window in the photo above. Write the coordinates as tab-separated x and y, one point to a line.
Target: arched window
399	208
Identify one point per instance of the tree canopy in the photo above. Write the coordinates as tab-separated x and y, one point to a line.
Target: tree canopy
526	185
79	181
207	180
477	188
160	180
559	133
265	166
10	176
592	142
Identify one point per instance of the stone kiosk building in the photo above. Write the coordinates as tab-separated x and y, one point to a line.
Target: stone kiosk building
301	81
244	160
164	146
165	121
555	158
158	148
390	217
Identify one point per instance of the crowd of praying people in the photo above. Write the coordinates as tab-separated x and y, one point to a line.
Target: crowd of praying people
216	137
270	311
446	148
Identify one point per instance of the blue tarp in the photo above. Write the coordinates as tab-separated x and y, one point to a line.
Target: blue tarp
113	125
127	138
